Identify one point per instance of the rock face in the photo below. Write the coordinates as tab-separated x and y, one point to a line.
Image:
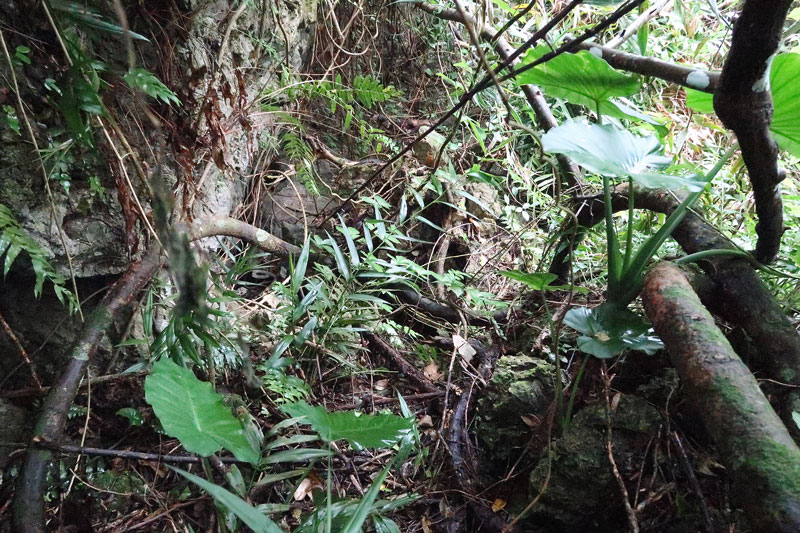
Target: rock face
218	59
582	491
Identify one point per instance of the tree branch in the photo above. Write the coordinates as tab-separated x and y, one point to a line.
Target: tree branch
743	103
759	454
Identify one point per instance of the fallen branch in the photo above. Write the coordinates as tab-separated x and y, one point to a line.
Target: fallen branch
214	226
461	453
422	382
755	447
743	102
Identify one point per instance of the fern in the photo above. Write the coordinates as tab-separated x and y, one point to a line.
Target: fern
302	154
369	91
148	83
13	240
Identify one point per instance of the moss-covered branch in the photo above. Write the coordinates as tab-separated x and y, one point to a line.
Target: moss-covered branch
756	448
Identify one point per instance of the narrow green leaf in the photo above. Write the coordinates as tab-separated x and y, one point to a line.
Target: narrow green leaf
248	514
360	431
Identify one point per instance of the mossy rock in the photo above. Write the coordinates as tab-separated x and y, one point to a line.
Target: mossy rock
582	493
521	388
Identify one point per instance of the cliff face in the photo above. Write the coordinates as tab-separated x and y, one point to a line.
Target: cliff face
217	57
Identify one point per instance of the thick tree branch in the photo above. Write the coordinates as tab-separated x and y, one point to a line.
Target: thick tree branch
743	297
693	78
744	104
759	454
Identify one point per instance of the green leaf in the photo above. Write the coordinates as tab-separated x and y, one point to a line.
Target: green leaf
148	83
537	281
365	506
341	262
581	78
699	101
248	514
785	127
191	411
91	18
133	415
785	88
611	151
609	329
360	431
299	270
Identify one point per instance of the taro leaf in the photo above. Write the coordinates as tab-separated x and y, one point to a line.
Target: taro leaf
581	78
624	108
785	99
608	330
785	125
252	517
192	412
360	431
699	101
615	152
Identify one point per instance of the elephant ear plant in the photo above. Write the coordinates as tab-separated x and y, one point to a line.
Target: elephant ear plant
613	152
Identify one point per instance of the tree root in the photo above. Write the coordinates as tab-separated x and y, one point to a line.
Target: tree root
461	452
417	377
756	448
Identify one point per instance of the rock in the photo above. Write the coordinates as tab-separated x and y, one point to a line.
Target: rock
519	394
582	492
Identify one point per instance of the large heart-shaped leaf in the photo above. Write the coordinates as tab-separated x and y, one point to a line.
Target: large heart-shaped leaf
785	88
581	78
612	151
359	430
609	329
192	412
785	126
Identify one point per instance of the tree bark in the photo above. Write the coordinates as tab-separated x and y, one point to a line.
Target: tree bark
743	103
756	448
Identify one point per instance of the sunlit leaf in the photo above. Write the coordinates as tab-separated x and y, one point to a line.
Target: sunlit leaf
785	126
615	152
581	78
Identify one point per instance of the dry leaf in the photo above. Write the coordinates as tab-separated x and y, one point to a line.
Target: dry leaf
426	525
532	421
464	349
431	371
311	482
382	384
498	505
615	401
425	422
